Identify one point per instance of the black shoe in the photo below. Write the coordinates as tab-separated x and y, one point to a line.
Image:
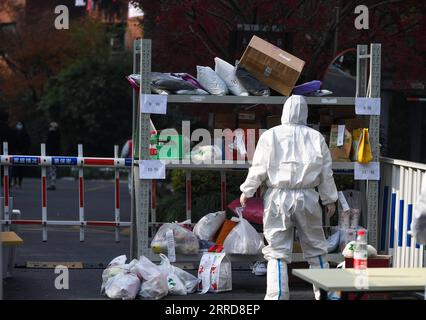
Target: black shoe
51	188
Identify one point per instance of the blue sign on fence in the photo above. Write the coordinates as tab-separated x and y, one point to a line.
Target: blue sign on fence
64	161
25	160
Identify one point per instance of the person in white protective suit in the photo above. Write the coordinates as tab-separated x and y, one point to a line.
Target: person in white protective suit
293	160
418	225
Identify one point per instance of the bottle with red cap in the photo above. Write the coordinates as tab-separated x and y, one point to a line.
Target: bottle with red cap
360	253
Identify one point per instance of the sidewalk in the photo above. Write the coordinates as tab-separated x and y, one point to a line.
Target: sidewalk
30	284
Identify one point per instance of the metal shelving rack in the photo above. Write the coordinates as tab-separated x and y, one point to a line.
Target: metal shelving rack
367	65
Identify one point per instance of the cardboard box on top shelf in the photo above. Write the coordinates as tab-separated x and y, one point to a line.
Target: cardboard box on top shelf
273	121
225	121
271	65
340	153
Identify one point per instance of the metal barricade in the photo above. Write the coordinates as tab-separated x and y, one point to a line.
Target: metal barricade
399	190
80	162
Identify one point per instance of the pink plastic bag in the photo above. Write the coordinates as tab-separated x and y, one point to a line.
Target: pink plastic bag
253	212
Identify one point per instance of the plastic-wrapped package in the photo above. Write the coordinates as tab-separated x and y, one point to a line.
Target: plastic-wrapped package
133	82
211	82
197	91
116	266
123	286
228	73
190	281
154	282
170	82
159	91
253	86
243	239
188	78
207	227
307	87
185	241
179	281
214	273
253	211
320	93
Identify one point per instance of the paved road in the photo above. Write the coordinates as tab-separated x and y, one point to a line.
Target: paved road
63	243
99	248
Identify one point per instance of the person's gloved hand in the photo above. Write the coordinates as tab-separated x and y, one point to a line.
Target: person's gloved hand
330	209
243	200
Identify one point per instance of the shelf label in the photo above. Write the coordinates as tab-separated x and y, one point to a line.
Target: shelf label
154	103
197	98
340	135
152	169
343	202
369	171
367	106
328	101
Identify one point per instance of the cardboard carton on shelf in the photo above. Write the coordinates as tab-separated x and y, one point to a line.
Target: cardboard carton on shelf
271	65
340	153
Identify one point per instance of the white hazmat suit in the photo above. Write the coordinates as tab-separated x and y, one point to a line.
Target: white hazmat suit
293	160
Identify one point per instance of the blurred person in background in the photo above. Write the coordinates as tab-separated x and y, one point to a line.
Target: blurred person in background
53	148
21	146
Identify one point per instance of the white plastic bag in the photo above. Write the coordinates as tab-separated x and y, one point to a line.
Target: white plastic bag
123	286
215	273
197	91
207	227
115	267
190	281
185	241
154	282
174	283
348	252
211	81
333	241
228	73
243	239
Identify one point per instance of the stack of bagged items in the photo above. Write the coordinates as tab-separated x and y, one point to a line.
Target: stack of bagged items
236	235
144	278
262	66
175	237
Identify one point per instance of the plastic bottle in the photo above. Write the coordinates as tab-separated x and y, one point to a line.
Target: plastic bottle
360	253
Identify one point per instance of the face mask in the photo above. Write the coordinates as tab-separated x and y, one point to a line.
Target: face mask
19	126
